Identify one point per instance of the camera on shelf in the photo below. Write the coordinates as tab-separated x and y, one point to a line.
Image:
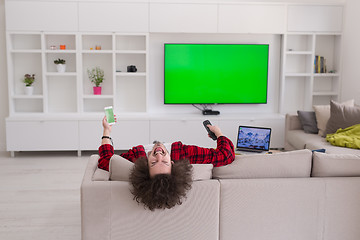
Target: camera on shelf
131	68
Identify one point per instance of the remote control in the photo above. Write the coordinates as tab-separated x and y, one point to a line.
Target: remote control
211	134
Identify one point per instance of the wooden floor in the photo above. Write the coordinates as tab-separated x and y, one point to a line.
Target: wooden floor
40	195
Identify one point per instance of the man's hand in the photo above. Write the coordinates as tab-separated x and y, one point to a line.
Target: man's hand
216	130
106	131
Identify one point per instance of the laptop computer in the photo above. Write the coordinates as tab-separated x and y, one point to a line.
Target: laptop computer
252	139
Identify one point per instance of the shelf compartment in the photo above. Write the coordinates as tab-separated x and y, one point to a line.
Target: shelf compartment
69	40
299	42
328	46
299	64
131	94
104	61
124	60
23	42
70	59
96	105
326	84
26	63
89	42
62	94
28	105
130	42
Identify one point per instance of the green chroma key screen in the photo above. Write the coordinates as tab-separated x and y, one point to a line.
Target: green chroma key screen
215	73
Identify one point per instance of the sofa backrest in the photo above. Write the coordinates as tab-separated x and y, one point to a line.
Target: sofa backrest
294	164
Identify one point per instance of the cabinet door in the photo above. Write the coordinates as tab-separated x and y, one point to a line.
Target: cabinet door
115	17
41	135
125	134
198	18
315	18
41	16
190	132
249	18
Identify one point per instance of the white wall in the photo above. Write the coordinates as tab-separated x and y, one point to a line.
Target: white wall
4	110
351	52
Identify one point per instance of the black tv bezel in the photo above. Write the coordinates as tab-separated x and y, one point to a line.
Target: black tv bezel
203	103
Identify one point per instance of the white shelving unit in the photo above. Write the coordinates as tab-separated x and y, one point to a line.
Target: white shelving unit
71	92
298	70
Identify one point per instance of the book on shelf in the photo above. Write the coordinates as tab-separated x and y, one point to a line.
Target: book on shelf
320	64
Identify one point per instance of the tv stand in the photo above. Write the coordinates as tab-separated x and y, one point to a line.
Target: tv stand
210	112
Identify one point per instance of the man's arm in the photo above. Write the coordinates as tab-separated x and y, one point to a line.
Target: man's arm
106	150
224	153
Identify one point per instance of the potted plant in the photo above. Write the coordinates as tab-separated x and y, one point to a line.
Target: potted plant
29	80
96	76
60	65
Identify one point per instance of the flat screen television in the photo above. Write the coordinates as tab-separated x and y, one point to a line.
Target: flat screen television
215	73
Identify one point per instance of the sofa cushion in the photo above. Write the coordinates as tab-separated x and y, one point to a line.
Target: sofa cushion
335	165
299	139
322	113
308	121
279	165
342	116
120	169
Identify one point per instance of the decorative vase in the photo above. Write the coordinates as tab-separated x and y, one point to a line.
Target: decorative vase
97	90
29	90
61	68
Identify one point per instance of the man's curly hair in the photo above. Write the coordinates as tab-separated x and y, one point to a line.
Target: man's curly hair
163	190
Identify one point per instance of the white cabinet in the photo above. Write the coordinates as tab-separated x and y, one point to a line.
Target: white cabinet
252	18
318	18
37	135
114	17
193	18
41	16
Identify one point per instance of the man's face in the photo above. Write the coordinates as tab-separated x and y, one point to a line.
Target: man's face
159	160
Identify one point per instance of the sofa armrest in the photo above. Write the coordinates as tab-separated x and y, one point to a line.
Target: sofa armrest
292	122
95	204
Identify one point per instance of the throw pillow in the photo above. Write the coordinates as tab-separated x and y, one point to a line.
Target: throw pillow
120	169
308	121
322	113
335	165
342	116
279	165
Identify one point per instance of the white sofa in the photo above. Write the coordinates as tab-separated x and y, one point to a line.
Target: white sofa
269	197
296	138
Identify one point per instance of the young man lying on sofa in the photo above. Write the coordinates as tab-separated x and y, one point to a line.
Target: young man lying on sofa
160	179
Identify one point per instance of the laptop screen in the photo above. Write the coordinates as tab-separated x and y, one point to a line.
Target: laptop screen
253	138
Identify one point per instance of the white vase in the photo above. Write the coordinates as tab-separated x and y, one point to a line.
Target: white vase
61	68
29	90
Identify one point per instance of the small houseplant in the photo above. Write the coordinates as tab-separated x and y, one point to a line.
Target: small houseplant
29	79
60	65
96	76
